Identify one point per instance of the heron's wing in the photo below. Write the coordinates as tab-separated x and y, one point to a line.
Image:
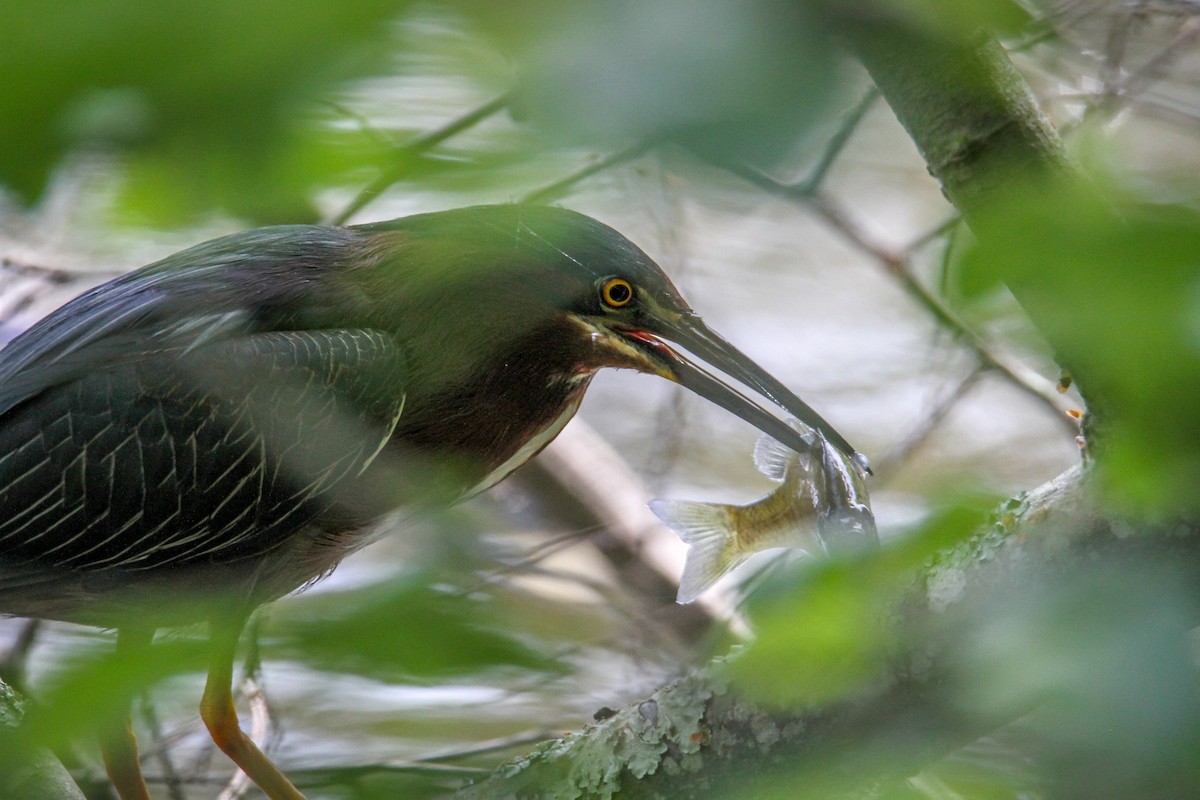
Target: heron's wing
209	452
227	287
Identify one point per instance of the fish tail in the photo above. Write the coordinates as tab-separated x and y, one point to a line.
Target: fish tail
712	543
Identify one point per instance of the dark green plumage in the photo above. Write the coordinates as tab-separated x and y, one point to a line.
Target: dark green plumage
254	403
219	428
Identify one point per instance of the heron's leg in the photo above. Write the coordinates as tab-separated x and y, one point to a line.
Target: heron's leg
118	745
218	713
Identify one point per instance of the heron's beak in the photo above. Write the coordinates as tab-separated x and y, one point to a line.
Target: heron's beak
708	352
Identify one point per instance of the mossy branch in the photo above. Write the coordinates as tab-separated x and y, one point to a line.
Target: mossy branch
699	737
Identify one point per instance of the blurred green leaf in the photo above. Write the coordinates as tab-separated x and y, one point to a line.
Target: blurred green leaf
94	687
828	632
1115	288
995	767
1100	652
733	79
175	181
398	630
201	95
952	19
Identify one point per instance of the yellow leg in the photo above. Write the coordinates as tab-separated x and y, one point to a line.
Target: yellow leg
219	715
119	748
118	745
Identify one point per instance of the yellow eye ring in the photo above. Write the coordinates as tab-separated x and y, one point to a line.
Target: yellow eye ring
616	292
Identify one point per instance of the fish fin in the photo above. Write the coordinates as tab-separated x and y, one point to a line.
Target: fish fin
712	543
773	458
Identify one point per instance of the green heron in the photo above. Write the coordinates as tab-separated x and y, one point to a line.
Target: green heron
217	429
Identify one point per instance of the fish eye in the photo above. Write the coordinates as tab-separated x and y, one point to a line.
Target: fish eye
616	292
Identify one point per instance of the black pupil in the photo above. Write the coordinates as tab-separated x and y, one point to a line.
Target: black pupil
618	293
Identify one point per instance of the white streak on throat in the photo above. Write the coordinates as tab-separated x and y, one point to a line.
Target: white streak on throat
526	451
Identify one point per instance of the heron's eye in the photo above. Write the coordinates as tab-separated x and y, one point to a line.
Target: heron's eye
616	292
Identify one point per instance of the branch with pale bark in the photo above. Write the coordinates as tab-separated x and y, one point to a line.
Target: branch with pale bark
980	130
701	737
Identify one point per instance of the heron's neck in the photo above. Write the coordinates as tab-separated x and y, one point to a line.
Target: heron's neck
514	404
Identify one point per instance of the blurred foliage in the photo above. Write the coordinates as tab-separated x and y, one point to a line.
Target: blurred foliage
93	687
730	78
1102	651
1113	284
952	19
213	102
415	628
1075	666
827	629
218	105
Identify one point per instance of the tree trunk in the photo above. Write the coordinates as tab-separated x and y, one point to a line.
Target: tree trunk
983	136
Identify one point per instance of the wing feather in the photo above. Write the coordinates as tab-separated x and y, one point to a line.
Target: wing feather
203	408
215	290
240	444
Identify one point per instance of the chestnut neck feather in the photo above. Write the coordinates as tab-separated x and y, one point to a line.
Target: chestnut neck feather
515	393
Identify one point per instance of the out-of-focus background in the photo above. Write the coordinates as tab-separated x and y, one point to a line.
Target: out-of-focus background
755	164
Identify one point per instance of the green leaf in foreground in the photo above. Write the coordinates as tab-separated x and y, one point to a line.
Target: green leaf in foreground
824	634
213	88
1114	286
398	630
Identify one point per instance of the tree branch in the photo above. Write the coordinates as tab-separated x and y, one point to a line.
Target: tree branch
25	773
699	737
1018	584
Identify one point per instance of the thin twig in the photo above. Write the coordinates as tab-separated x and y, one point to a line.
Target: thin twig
55	275
1146	107
170	775
670	422
1021	376
1158	65
487	747
946	262
558	188
426	141
838	141
897	266
1114	53
364	123
553	545
531	557
616	599
1118	91
934	418
12	666
931	235
166	741
350	775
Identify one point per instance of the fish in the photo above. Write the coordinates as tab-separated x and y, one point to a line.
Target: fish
821	506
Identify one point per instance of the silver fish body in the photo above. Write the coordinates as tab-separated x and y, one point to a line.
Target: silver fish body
820	506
